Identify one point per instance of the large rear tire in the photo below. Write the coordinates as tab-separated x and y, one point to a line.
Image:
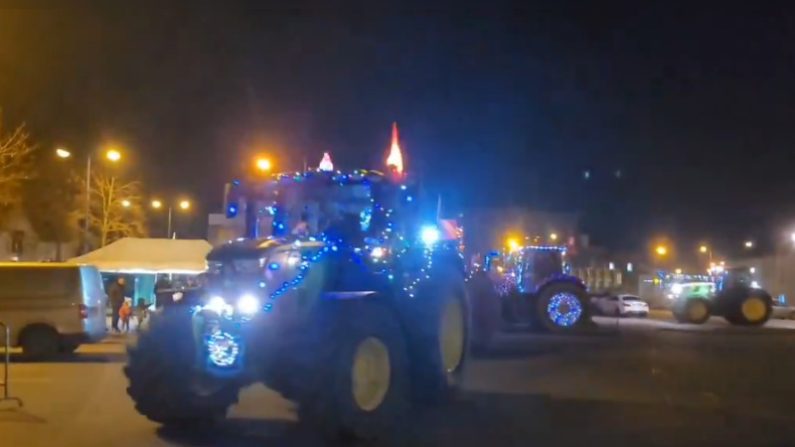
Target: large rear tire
360	384
749	308
562	307
439	329
163	380
486	312
691	310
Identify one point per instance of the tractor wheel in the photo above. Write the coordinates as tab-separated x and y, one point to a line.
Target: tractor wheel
691	310
360	384
486	313
163	380
439	331
562	307
749	309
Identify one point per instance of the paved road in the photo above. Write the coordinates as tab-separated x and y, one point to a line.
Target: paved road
645	382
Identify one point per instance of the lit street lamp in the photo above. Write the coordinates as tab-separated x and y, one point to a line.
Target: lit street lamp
263	164
661	250
749	244
553	237
112	155
126	203
183	205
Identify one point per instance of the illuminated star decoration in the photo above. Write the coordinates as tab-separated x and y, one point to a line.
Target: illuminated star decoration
395	159
325	163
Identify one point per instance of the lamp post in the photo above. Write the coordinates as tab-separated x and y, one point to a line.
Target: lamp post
112	155
183	205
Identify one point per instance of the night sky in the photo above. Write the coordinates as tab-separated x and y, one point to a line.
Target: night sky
694	107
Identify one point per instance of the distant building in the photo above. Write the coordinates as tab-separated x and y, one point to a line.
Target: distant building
18	242
220	229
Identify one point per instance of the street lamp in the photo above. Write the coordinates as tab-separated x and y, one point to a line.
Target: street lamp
513	244
749	244
126	203
553	237
703	249
183	205
112	155
661	250
263	164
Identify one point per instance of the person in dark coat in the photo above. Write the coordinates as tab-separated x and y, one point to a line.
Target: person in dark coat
116	298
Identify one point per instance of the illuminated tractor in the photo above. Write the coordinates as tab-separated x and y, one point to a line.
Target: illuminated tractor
340	297
733	295
526	288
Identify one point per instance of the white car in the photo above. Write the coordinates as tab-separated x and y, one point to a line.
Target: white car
622	306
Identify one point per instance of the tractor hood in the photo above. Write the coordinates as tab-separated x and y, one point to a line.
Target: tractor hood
243	249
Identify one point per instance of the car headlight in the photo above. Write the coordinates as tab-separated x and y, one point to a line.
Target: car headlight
676	289
248	304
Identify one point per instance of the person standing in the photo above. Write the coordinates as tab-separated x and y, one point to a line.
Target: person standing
116	298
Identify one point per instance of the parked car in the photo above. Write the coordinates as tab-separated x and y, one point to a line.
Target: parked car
51	307
623	305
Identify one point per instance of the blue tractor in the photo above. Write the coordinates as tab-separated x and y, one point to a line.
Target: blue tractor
340	297
526	288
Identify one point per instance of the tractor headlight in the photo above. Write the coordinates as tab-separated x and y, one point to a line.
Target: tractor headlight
218	305
676	289
248	304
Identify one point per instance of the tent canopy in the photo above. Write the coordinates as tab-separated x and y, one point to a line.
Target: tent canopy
139	255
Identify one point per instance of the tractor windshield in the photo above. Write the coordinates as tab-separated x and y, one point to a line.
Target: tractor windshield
306	209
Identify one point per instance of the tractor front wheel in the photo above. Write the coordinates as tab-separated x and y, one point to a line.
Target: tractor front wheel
691	310
163	381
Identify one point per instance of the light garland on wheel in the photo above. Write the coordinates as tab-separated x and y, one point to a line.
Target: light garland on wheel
566	318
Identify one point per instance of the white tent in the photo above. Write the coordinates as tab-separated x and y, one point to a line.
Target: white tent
138	255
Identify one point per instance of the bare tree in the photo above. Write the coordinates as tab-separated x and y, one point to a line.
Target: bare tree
116	209
16	163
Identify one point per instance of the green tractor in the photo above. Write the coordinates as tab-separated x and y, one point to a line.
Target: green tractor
339	298
733	295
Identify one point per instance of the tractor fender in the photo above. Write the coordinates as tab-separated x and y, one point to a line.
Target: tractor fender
556	279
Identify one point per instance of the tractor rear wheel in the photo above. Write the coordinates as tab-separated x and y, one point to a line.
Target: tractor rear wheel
486	312
439	332
359	387
752	308
562	307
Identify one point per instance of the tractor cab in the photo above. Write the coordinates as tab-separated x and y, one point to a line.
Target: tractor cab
295	215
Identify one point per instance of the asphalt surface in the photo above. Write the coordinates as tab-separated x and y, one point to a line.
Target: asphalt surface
633	381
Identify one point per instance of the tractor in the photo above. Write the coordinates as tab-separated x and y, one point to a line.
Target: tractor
525	288
339	297
733	295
